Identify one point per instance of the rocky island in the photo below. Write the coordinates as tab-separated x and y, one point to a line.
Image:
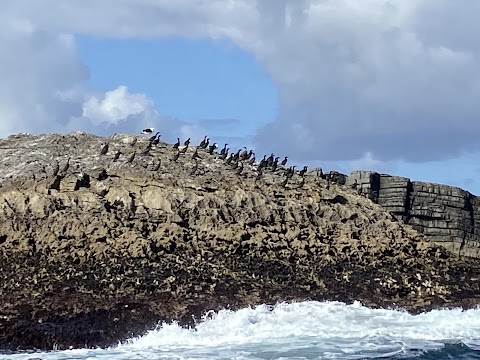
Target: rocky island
103	238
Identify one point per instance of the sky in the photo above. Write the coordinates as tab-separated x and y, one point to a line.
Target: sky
384	85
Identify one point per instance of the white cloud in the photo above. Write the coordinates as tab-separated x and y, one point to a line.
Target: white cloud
396	79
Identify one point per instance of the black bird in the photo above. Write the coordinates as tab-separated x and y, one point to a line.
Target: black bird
251	161
270	160
147	131
104	149
230	159
194	169
224	150
206	144
116	156
284	182
195	154
176	156
212	148
259	176
240	169
156	140
284	161
302	182
187	142
56	168
130	159
224	155
147	149
184	150
157	167
249	155
237	155
66	166
177	144
243	154
275	164
290	171
303	171
202	144
133	142
154	136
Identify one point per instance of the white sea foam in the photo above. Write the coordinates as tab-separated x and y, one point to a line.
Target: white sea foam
304	330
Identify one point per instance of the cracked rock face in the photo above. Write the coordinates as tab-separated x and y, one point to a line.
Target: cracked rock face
105	247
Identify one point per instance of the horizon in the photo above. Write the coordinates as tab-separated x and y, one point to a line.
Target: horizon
342	85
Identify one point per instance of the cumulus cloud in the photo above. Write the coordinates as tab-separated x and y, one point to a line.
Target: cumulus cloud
394	79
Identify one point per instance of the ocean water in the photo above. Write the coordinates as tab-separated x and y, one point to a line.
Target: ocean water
303	330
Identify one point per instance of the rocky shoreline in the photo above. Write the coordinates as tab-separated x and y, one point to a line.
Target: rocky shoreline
103	249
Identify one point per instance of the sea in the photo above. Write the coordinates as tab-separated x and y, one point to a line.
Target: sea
302	330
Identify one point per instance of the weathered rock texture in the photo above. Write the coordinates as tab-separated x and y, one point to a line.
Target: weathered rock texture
105	249
448	215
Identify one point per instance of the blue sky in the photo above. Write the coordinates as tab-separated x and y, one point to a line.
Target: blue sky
341	84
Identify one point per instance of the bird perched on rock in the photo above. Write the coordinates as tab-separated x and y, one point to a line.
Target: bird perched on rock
224	155
147	131
302	183
239	169
285	182
147	149
154	136
224	150
203	142
251	161
187	142
66	166
250	154
229	160
132	144
184	150
290	171
104	149
303	171
156	140
176	156
157	166
116	156
177	144
195	154
284	161
243	155
275	164
130	159
212	148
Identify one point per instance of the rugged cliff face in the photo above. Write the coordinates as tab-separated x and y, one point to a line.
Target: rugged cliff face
103	248
448	215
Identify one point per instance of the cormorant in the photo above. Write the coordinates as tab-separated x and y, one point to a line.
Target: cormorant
133	142
177	144
184	150
187	142
212	148
157	167
176	156
237	155
302	182
147	131
224	150
116	156
195	154
240	169
284	182
224	155
202	144
249	155
243	154
275	164
104	149
154	136
270	160
66	166
251	161
303	171
147	149
230	159
284	161
156	140
130	159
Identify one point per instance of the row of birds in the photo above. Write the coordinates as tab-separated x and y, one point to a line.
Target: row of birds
235	160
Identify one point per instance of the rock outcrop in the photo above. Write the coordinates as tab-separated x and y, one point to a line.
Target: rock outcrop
104	248
448	215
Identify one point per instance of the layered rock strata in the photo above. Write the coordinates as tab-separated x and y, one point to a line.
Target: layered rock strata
106	247
448	215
